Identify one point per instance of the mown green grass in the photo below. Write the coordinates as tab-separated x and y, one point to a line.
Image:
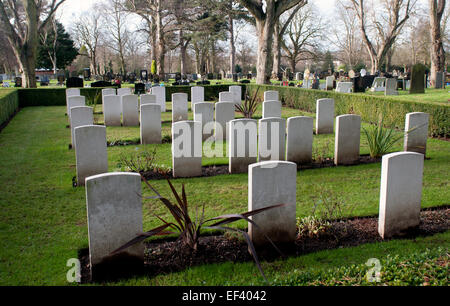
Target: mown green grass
431	95
43	219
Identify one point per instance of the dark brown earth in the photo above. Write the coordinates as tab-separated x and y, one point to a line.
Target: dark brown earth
167	256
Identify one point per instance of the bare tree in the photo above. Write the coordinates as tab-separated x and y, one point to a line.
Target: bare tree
437	8
118	31
280	29
301	37
44	36
266	14
87	33
22	20
387	25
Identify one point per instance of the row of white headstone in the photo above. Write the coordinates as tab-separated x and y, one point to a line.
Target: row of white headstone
114	207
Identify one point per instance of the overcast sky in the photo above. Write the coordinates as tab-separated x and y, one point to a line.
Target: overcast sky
73	8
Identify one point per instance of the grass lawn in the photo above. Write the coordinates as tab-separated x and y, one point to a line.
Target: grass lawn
431	95
43	219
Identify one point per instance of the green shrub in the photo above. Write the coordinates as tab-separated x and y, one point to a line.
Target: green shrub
370	108
9	104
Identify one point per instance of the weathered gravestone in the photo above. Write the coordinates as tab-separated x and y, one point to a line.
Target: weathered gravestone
74	101
160	93
416	132
324	116
400	192
224	113
79	116
226	96
197	95
272	139
439	80
358	84
150	129
139	88
112	110
417	84
347	140
130	110
187	149
74	82
329	82
299	139
379	84
204	113
237	94
272	183
344	87
179	107
148	99
391	87
242	147
271	95
114	213
90	151
271	109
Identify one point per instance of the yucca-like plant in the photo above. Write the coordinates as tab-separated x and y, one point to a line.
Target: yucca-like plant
250	105
380	139
189	228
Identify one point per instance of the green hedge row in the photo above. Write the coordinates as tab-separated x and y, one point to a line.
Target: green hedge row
370	108
9	104
57	96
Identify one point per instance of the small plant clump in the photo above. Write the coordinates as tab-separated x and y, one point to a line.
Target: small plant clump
142	162
380	139
250	105
312	227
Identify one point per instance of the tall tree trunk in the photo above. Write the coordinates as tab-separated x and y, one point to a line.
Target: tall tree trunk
293	63
160	40
265	58
437	48
276	51
29	49
232	43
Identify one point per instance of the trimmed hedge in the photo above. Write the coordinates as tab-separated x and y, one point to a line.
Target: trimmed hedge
57	96
9	104
368	107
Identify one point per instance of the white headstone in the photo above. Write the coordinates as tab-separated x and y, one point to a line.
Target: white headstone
344	87
72	92
108	92
391	87
150	123
204	113
179	107
146	99
347	139
272	183
324	116
400	192
271	109
187	149
272	139
271	95
329	82
112	110
197	94
237	94
299	139
114	213
160	93
226	96
416	132
79	116
75	101
124	91
90	151
224	112
242	147
130	110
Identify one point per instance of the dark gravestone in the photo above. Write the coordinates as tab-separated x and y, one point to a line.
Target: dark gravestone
210	76
74	82
87	74
315	84
245	81
249	76
219	76
18	82
61	80
290	76
44	80
368	81
418	79
132	78
358	84
235	77
280	77
1	79
144	75
139	88
101	84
